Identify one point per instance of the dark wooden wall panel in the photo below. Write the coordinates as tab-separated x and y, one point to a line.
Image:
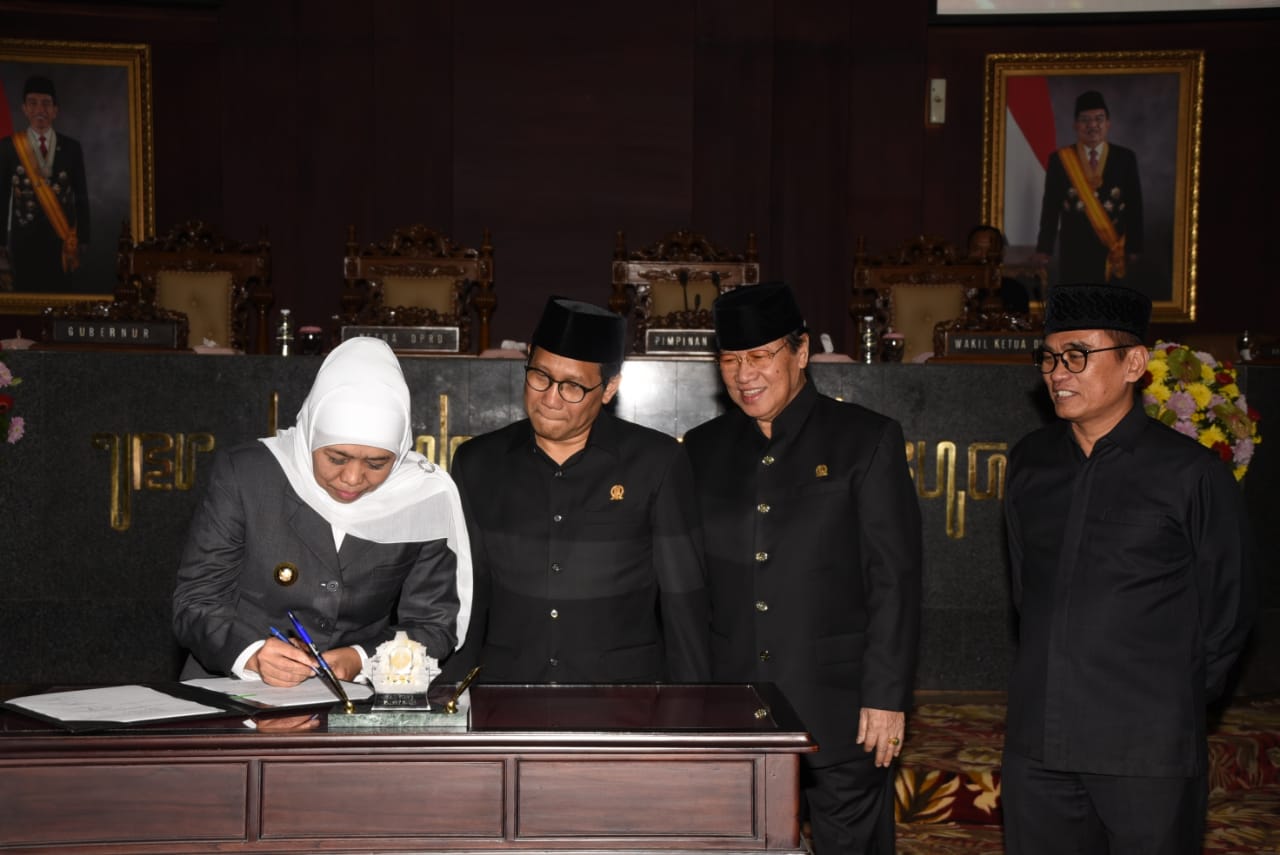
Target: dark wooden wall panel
554	126
573	120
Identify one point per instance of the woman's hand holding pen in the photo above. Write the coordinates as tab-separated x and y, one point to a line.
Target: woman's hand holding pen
345	662
281	663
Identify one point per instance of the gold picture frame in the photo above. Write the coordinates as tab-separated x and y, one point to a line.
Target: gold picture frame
104	104
1152	104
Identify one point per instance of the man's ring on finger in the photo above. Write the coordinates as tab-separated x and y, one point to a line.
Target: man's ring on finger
893	740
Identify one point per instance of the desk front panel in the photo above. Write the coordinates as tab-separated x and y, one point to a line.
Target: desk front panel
415	801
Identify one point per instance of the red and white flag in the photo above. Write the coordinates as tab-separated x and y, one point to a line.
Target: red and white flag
1030	137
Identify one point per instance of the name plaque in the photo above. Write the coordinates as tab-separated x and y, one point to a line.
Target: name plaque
410	339
679	342
1010	343
161	334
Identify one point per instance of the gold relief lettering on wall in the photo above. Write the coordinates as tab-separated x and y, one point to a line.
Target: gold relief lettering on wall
427	446
945	457
996	465
148	460
121	513
157	454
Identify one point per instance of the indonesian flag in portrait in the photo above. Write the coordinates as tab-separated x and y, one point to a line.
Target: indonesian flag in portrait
1030	137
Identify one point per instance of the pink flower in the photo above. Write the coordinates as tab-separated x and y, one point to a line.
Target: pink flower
1243	452
6	376
1186	428
1181	404
17	427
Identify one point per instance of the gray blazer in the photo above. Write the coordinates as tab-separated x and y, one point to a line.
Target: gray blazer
250	521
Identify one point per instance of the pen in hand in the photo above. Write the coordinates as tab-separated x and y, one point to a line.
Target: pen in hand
287	640
325	671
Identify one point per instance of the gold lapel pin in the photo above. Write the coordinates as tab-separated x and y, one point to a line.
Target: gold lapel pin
286	573
615	493
820	471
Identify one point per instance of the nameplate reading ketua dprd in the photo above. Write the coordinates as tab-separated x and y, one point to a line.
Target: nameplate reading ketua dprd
409	339
159	334
1011	343
679	342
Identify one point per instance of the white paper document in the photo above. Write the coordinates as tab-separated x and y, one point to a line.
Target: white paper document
112	704
309	693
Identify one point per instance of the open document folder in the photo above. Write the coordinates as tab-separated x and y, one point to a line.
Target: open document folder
120	706
311	692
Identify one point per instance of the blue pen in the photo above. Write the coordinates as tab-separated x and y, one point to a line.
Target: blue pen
280	635
333	682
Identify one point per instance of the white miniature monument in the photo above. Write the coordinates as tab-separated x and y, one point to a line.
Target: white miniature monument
400	671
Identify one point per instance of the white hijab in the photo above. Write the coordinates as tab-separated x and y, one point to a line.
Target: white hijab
360	398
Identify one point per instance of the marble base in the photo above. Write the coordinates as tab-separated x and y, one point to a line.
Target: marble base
436	719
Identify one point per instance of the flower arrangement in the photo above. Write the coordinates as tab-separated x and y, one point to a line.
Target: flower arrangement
1196	395
11	427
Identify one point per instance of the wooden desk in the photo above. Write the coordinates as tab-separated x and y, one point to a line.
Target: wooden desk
541	768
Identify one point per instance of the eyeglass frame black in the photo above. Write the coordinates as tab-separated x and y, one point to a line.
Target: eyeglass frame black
772	353
559	384
1038	355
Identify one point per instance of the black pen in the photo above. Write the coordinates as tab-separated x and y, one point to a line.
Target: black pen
325	671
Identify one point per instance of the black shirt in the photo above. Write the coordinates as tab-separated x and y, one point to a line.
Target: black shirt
590	571
814	559
1134	593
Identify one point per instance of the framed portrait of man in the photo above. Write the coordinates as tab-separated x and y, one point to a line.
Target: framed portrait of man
1092	169
76	163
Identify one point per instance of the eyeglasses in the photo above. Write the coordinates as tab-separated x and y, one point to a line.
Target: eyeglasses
757	359
540	381
1074	358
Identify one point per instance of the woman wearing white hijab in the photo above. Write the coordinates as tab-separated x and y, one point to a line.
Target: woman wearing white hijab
335	519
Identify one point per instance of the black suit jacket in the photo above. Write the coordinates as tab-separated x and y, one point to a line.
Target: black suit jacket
1081	255
814	559
251	520
35	250
590	571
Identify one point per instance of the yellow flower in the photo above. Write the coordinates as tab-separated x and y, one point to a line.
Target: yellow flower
1207	374
1160	392
1201	393
1211	436
1159	369
1230	391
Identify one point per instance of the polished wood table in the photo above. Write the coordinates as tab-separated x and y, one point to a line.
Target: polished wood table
670	768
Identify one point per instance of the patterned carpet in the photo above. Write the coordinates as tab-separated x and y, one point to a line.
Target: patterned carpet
948	786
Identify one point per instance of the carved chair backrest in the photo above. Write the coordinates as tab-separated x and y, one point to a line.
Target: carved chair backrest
672	283
916	287
419	277
220	284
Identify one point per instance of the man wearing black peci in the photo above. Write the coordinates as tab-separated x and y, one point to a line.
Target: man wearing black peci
583	526
1129	553
814	560
44	226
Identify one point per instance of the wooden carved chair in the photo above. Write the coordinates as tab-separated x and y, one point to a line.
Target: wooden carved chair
221	285
919	288
672	284
419	277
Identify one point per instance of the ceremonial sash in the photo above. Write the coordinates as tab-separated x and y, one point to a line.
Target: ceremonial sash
1102	225
49	203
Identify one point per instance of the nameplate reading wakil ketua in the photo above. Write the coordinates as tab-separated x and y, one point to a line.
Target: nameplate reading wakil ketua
159	334
410	339
679	342
1012	343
